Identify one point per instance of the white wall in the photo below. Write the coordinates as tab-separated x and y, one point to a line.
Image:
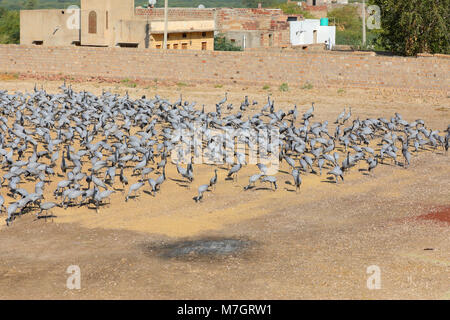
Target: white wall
326	33
302	32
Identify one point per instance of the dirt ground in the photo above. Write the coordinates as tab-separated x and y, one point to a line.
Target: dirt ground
315	244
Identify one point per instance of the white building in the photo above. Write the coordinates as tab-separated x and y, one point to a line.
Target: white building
310	31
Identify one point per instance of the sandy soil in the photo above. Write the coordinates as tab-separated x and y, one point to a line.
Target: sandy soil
314	244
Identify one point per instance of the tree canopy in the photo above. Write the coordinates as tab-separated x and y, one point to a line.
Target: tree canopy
221	43
415	26
9	26
264	3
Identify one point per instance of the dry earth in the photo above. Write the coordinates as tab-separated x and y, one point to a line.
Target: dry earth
315	244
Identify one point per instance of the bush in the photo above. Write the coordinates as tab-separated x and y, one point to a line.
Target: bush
130	84
293	8
9	26
221	43
284	87
307	86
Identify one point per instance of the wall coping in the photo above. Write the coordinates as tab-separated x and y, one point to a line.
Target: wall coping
281	53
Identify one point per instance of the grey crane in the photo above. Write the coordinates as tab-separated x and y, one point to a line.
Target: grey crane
134	189
272	180
252	180
201	190
213	180
337	172
297	179
234	170
46	206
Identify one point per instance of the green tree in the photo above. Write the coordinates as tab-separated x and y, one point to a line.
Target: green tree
221	43
293	8
415	26
30	4
9	26
348	25
264	3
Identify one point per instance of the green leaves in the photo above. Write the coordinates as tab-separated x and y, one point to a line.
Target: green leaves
415	26
221	43
9	26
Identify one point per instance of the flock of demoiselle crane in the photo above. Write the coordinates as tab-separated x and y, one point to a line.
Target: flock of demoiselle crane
84	144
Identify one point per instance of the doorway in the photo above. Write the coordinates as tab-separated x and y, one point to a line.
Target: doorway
315	36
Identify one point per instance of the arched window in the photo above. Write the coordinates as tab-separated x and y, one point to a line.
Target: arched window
92	22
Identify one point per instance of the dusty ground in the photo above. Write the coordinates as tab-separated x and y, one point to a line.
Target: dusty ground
314	244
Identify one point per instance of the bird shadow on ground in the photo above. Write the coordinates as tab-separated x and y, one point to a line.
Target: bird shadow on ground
147	192
47	216
70	205
329	180
289	190
133	197
178	180
184	185
92	206
263	188
282	171
288	182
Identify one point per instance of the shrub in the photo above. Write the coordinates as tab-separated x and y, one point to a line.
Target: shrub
307	86
221	43
284	87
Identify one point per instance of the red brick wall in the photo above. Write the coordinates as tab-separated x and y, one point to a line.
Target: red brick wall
254	67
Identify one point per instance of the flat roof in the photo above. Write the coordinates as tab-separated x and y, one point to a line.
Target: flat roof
182	31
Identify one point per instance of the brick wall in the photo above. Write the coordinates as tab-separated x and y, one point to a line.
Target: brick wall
177	13
254	67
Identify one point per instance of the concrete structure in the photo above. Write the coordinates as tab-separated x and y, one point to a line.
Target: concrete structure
249	28
49	27
111	23
310	31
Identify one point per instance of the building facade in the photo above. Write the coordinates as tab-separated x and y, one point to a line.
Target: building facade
111	23
246	27
310	31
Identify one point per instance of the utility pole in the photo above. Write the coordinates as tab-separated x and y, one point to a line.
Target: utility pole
364	21
165	22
